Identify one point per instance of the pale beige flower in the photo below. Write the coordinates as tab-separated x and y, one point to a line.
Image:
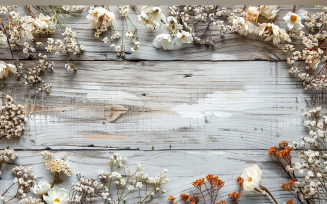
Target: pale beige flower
269	11
252	13
99	17
242	25
6	68
42	24
272	32
154	13
30	200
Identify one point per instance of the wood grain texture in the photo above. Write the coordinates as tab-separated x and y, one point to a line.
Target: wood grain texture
165	105
195	110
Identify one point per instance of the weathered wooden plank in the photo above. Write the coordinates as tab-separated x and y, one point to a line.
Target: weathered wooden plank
183	168
230	46
163	105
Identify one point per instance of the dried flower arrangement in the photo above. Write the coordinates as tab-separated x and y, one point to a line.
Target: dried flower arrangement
312	154
120	179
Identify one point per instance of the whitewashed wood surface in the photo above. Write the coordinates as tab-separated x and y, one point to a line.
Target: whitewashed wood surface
196	110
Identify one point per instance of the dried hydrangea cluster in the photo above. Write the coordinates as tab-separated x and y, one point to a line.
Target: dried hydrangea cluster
126	181
314	55
85	191
12	118
6	155
312	152
25	179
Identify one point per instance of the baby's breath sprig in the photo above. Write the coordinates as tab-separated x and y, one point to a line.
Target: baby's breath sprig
125	180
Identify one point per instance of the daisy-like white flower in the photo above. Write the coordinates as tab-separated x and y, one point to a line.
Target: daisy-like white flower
252	13
41	188
154	13
252	178
66	7
183	37
272	32
6	68
30	200
100	17
243	25
269	11
163	41
57	196
293	21
172	24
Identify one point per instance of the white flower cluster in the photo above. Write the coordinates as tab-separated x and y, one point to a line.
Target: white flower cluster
73	8
12	118
313	155
25	180
151	17
32	75
129	180
6	155
85	190
19	29
123	10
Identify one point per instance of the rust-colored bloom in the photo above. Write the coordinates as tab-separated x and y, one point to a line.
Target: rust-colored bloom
290	201
198	183
222	202
185	197
240	180
171	198
234	196
272	150
284	153
215	181
283	144
192	203
285	187
195	199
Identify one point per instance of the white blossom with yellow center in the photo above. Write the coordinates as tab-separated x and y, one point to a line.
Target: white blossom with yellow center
293	21
57	196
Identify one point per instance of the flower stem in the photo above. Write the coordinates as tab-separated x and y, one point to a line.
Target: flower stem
56	179
265	189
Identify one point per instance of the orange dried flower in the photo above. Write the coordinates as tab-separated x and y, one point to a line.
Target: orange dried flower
195	199
222	202
185	197
291	182
285	187
198	182
215	181
284	153
240	180
272	150
171	198
283	144
192	203
234	196
290	201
